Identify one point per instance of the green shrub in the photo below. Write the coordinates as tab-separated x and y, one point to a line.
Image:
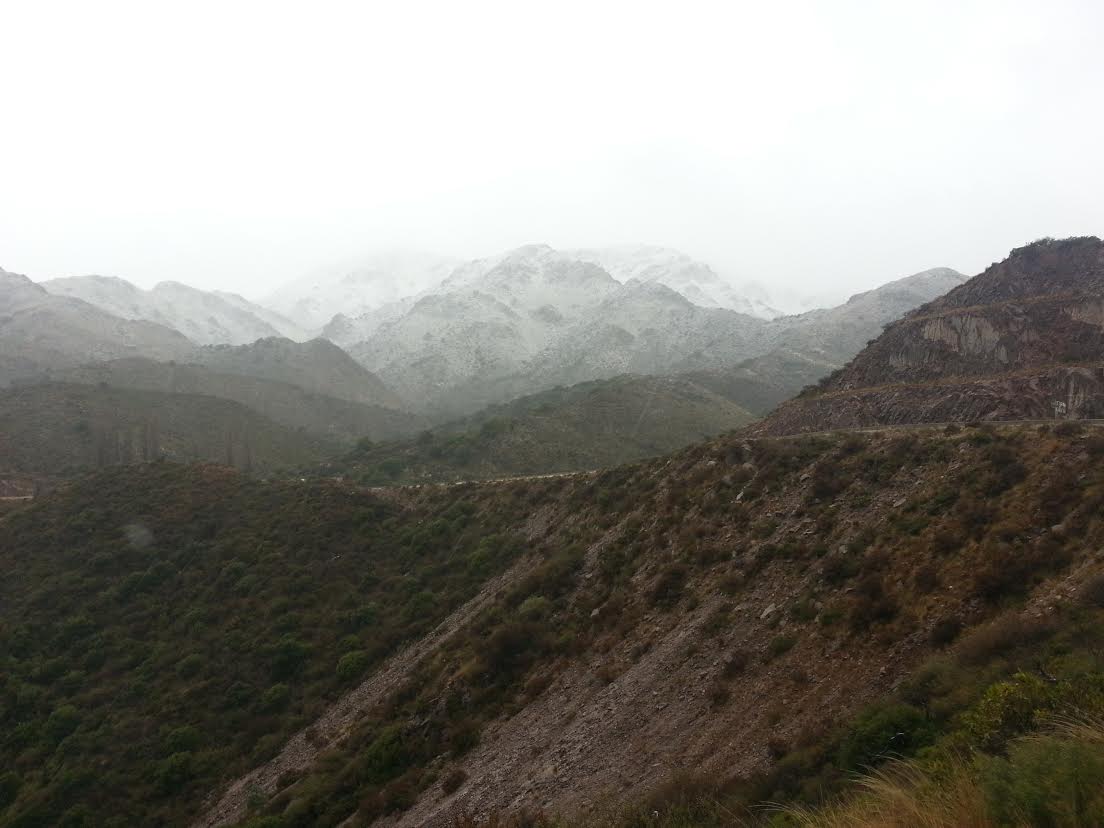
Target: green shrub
1006	709
535	608
275	697
779	645
175	772
1046	781
287	656
9	788
182	739
883	732
63	721
352	665
190	665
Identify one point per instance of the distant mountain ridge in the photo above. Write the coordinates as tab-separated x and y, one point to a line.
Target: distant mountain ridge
205	317
693	279
536	318
358	287
1022	340
339	420
318	366
40	331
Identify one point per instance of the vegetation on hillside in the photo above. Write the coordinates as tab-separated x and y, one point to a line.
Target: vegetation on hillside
281	400
57	430
585	426
201	618
164	627
971	523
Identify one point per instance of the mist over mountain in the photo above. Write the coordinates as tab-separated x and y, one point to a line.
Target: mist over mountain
40	331
535	317
315	299
206	318
694	280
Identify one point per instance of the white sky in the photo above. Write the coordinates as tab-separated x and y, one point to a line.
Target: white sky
240	144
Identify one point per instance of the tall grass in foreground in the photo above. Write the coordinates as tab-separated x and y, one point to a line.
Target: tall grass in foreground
1051	779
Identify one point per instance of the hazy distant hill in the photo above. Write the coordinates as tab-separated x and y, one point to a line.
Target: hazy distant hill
59	429
318	366
590	425
205	317
40	331
760	383
1023	340
285	403
836	334
358	287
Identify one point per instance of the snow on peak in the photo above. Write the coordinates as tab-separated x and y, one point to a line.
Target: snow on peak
206	318
695	280
357	287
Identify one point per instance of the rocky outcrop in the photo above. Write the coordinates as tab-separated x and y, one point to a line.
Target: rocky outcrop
1023	340
1061	392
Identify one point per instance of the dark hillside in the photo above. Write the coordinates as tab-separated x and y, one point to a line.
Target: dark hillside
56	430
198	619
291	405
585	426
715	610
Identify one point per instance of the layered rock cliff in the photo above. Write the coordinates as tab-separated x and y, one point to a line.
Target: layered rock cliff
1022	340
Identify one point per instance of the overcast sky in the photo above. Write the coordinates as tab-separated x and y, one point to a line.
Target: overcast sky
241	144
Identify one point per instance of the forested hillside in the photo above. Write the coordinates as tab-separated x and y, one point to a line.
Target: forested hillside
58	430
585	426
643	617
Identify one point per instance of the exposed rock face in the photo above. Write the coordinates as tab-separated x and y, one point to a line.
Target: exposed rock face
1023	340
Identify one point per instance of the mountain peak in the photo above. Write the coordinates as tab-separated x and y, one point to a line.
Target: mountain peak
1022	340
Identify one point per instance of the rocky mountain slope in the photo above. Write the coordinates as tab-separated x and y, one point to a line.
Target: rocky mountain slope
340	421
57	430
206	318
536	318
358	287
586	426
487	319
1023	340
40	331
310	654
694	280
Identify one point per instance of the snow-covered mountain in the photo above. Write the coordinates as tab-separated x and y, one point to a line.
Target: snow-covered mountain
40	332
484	322
206	318
358	288
358	301
536	317
695	280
